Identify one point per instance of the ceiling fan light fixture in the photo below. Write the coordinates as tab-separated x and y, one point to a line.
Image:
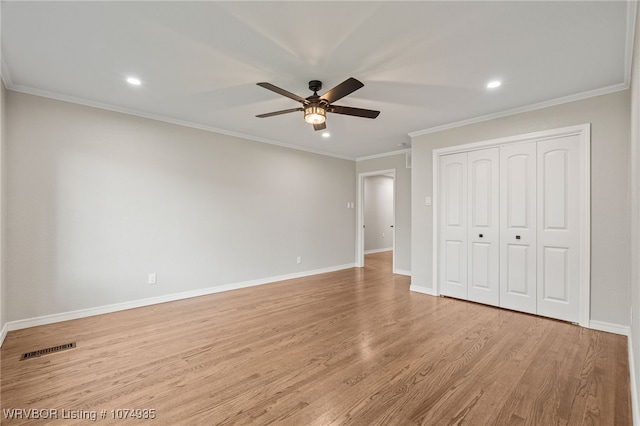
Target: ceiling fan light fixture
315	108
315	114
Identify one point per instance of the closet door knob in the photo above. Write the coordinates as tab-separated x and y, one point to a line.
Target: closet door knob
480	235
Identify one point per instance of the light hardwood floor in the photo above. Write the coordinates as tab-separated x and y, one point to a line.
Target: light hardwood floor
351	347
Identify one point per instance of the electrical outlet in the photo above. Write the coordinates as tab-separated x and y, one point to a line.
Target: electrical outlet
299	260
153	278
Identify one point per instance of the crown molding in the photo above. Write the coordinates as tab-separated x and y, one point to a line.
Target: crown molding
4	72
386	154
546	104
158	117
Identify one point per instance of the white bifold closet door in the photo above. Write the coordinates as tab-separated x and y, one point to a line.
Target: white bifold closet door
483	226
518	227
509	224
469	217
559	228
453	226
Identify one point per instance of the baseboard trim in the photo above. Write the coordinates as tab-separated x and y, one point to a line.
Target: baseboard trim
402	272
3	333
609	328
423	290
382	250
106	309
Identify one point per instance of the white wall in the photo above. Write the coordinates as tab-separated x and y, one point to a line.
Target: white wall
96	200
402	203
3	139
378	213
610	261
635	223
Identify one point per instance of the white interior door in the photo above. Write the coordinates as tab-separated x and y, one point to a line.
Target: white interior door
483	230
543	224
518	227
558	274
452	265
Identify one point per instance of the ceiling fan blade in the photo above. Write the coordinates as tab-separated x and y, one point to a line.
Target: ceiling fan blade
284	111
320	126
356	112
283	92
348	86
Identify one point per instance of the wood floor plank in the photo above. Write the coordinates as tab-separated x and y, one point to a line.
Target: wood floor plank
492	382
352	347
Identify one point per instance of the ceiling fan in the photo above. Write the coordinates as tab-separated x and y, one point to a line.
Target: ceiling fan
316	107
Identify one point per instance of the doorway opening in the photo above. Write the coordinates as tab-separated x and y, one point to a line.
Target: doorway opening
376	215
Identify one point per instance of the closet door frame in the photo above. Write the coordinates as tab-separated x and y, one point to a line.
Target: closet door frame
583	131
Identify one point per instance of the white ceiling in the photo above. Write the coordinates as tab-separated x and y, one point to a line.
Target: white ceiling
424	64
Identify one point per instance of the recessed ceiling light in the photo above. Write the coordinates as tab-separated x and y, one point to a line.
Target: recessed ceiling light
493	84
134	81
326	134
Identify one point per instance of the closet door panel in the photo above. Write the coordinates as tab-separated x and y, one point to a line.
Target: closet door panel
453	225
518	227
558	229
518	282
483	231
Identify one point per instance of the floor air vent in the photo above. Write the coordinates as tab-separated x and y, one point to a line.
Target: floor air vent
47	351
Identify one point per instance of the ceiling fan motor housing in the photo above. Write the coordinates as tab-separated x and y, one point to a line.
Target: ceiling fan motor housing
315	85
